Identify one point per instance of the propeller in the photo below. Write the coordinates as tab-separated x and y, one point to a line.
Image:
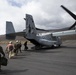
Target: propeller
72	25
68	11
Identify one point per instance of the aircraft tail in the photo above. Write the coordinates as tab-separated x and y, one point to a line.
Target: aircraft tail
68	11
30	27
10	32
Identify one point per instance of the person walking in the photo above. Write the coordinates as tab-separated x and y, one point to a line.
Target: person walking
25	46
10	49
16	47
19	46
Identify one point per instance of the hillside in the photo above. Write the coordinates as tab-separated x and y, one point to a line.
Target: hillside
3	38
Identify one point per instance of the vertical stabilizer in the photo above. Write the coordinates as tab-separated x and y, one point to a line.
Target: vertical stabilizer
10	32
30	27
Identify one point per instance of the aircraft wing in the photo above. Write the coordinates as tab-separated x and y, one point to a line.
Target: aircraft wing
63	33
67	32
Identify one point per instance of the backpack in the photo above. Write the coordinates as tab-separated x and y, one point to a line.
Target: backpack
10	47
4	61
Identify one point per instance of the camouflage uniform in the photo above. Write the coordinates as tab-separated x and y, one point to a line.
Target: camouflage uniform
16	47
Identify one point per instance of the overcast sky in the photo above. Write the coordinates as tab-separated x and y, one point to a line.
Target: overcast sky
47	14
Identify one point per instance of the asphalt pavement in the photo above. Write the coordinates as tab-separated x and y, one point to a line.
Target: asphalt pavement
48	61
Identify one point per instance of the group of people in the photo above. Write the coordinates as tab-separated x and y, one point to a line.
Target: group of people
12	49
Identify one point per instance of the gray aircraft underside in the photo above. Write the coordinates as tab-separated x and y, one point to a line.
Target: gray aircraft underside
40	39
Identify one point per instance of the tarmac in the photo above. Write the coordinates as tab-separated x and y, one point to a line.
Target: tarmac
48	61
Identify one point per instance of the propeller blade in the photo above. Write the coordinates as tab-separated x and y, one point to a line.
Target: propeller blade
72	26
68	11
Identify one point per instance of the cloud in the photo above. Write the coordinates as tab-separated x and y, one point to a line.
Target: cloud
47	14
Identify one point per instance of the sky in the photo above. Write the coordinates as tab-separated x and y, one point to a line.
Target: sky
47	14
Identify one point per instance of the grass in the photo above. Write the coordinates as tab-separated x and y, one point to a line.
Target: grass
7	41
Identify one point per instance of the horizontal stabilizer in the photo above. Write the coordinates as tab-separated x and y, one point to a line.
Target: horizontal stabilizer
68	11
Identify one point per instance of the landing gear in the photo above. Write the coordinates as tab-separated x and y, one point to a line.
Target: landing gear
36	47
59	45
55	45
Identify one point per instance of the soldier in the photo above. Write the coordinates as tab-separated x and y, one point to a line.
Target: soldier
16	47
25	46
10	49
19	46
1	53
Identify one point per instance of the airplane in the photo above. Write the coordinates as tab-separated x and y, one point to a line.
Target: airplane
40	40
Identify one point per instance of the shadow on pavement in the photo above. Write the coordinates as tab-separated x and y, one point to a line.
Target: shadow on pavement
11	72
45	50
69	47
